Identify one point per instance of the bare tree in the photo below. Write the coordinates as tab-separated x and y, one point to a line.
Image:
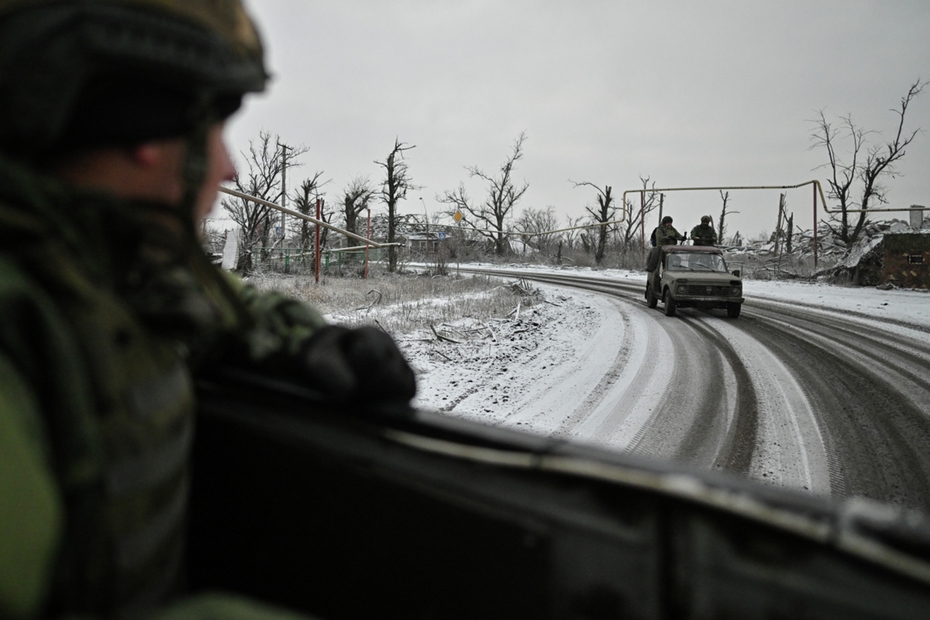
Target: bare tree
648	203
305	202
606	212
857	182
266	161
573	235
784	225
459	202
356	198
588	240
843	175
779	233
724	212
397	182
537	224
488	218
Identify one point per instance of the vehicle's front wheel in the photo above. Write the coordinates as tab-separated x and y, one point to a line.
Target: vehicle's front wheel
669	303
733	310
651	300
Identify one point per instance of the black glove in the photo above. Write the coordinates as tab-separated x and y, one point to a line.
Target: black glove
360	365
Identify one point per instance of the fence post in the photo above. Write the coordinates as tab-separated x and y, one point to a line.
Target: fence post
367	236
316	262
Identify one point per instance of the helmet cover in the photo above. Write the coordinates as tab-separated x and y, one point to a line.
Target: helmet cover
75	74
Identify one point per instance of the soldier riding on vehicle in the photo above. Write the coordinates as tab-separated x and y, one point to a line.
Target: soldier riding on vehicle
704	233
666	233
663	235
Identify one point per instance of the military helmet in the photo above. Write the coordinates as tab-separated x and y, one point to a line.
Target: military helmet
705	219
667	219
81	73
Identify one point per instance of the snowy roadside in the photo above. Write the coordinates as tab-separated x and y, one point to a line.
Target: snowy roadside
490	371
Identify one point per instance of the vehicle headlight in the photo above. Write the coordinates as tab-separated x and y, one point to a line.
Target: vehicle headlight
682	289
736	291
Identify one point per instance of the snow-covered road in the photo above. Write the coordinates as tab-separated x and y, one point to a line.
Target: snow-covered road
808	390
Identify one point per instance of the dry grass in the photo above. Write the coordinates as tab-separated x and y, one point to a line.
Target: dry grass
402	304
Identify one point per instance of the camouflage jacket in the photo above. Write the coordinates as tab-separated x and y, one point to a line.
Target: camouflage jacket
703	235
667	235
107	311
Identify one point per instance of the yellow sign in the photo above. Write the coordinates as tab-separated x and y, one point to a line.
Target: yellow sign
458	216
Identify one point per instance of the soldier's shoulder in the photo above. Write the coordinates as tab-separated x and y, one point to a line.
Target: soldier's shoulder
26	301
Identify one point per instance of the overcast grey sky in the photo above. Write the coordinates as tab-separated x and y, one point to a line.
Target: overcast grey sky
687	93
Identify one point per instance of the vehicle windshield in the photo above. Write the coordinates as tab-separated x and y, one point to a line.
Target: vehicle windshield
696	262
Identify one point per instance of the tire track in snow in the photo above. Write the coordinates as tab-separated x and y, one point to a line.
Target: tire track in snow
870	405
691	415
746	412
770	433
790	449
738	436
627	398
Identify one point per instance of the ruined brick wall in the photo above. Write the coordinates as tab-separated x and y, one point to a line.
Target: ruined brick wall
906	260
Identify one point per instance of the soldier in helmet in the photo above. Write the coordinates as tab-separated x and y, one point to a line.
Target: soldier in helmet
666	233
111	150
704	233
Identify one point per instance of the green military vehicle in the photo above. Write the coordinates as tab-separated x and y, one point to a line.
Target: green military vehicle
689	276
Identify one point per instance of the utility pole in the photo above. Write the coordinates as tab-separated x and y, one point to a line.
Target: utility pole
319	250
426	216
367	237
284	149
